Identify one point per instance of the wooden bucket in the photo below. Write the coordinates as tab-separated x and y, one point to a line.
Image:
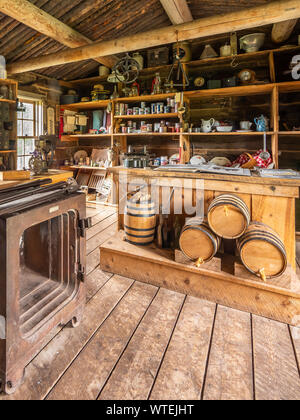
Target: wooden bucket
262	251
228	216
197	241
140	221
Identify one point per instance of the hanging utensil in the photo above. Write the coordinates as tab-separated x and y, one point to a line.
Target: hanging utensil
181	108
265	155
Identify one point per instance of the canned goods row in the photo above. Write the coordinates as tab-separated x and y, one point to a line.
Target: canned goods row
155	108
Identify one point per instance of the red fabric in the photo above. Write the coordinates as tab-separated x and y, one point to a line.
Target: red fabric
244	158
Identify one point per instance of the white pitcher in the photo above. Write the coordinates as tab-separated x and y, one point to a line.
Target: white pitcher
207	125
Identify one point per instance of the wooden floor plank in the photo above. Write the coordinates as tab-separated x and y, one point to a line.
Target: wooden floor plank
229	372
135	373
91	212
93	259
49	365
96	240
275	367
295	333
103	214
88	374
94	230
182	371
94	281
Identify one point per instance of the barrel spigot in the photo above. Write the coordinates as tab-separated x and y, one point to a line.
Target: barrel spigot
199	262
262	274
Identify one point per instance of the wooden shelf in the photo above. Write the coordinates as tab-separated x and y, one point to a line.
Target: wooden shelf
146	98
232	133
9	101
146	134
191	64
85	106
7	151
289	133
89	136
147	116
8	82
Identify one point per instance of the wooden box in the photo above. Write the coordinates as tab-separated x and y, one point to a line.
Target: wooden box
158	57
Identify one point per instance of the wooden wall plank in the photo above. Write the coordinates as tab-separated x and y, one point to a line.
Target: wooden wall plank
56	357
88	374
182	372
136	371
229	373
276	371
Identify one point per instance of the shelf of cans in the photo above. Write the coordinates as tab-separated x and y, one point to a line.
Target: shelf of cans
170	107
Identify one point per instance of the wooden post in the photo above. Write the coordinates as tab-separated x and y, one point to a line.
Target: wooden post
275	124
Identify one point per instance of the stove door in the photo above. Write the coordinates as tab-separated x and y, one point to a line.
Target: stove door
48	273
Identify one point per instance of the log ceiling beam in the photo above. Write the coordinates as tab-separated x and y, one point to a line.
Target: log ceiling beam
283	30
219	24
27	13
177	10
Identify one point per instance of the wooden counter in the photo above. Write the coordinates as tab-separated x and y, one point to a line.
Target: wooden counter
226	280
55	175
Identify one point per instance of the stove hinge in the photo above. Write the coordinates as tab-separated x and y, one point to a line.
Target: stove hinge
81	273
83	225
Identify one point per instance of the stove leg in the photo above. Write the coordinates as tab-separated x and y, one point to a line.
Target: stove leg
13	381
76	320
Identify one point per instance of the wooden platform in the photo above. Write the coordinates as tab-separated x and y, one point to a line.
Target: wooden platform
278	299
138	341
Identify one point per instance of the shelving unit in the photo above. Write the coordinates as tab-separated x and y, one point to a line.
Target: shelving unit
270	107
13	118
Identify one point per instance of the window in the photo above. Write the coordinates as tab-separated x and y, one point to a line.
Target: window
29	129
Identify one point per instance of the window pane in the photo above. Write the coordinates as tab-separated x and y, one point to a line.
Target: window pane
28	128
29	146
28	113
21	149
20	163
26	165
20	128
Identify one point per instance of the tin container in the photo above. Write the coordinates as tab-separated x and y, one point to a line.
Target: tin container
147	110
129	111
153	108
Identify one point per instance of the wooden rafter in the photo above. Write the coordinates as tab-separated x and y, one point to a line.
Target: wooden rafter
219	24
177	10
27	13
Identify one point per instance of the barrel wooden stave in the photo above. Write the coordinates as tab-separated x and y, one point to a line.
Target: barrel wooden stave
261	248
198	241
140	222
228	216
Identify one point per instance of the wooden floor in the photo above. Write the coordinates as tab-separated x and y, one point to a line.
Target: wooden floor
140	342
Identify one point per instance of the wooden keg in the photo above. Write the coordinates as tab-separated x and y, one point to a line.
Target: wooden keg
197	241
140	221
262	251
228	216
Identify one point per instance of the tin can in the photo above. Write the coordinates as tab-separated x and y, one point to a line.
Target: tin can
135	111
141	111
149	128
143	104
153	108
164	160
167	109
147	110
156	162
129	111
160	108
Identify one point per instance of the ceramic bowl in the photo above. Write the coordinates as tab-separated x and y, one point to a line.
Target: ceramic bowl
224	128
252	42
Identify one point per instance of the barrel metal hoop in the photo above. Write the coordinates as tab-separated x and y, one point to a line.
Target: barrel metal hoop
139	230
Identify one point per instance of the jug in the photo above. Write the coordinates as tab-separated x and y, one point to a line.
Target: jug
262	123
207	125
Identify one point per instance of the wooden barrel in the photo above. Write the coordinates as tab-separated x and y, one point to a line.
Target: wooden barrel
140	221
197	240
228	216
262	251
